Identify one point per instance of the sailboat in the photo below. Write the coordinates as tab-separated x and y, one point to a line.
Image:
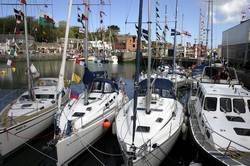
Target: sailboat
148	126
84	120
30	113
220	115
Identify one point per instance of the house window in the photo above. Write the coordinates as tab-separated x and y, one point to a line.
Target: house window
133	45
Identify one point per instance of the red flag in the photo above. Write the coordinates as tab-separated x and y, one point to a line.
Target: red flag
84	17
23	1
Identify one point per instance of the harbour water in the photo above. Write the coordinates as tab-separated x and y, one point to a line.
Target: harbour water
106	151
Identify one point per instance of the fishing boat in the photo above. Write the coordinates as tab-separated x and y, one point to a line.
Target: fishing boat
86	118
148	126
219	116
32	112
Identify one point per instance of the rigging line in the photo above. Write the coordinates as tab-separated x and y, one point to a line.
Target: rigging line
105	153
130	6
35	149
92	153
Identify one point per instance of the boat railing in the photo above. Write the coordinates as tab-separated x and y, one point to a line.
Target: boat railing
227	149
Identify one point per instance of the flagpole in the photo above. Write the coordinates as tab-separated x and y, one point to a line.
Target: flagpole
165	30
62	69
31	95
86	48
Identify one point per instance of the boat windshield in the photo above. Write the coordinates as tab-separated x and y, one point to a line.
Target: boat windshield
219	74
162	87
225	105
103	87
239	106
210	104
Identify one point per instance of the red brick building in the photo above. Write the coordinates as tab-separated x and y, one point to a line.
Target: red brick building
126	43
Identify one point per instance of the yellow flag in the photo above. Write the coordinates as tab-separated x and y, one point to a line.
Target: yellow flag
76	78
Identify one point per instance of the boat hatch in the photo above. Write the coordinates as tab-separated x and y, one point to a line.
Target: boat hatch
78	114
159	120
235	119
44	96
242	131
151	109
144	129
26	105
92	98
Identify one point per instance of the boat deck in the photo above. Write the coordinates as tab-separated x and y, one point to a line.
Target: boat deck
232	158
6	121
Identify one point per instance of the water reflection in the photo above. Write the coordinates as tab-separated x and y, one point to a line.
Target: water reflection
18	79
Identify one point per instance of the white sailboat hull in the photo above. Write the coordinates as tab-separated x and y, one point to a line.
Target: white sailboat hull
156	156
15	136
70	147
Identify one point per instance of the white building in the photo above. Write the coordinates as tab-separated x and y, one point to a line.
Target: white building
236	44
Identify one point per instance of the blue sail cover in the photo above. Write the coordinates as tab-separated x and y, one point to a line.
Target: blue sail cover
89	76
198	69
161	86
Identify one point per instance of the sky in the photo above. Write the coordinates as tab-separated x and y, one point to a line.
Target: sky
227	13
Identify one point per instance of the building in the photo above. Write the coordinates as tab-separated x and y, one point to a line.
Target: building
126	43
236	44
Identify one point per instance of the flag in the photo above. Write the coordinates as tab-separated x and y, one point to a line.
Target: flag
101	21
173	32
145	31
23	1
81	30
78	8
76	78
88	76
84	17
158	26
9	62
74	94
102	13
157	10
166	27
79	62
186	33
157	15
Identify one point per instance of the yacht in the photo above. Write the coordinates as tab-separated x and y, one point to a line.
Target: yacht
220	116
25	118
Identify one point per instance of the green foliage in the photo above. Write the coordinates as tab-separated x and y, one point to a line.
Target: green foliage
47	33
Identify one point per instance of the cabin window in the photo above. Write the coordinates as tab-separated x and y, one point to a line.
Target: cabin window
235	119
239	105
225	105
41	96
107	88
242	131
24	97
248	103
210	104
97	87
144	129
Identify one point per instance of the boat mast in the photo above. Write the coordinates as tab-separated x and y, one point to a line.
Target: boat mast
208	19
86	47
62	69
175	27
212	22
30	90
148	100
165	30
137	72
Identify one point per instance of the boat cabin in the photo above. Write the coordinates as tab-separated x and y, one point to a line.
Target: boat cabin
103	85
162	87
219	75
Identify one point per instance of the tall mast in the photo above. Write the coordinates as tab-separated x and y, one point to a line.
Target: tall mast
182	20
62	69
208	19
212	27
165	30
199	38
86	47
149	60
137	70
31	95
175	27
